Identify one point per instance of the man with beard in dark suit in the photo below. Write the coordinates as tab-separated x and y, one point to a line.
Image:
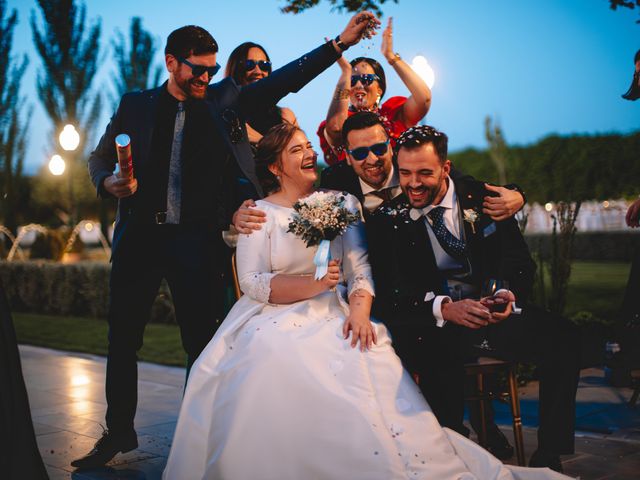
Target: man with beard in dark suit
434	240
192	166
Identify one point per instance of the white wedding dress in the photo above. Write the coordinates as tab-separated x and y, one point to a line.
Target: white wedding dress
278	394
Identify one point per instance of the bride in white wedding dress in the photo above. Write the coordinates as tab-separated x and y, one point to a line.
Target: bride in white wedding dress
280	394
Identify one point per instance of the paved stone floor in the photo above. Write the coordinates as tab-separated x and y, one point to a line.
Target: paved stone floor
67	403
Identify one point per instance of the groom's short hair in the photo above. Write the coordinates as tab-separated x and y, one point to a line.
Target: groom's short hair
419	135
359	121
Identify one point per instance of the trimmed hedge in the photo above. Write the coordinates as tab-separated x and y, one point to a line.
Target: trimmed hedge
77	289
594	246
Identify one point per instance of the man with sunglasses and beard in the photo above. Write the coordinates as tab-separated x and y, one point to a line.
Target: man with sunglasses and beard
192	167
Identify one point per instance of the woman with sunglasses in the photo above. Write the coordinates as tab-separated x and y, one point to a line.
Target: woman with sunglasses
361	88
248	63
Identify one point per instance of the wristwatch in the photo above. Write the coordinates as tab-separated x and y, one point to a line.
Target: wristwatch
396	57
341	45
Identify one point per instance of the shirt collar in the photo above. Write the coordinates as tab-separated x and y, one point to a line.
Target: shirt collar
391	182
447	201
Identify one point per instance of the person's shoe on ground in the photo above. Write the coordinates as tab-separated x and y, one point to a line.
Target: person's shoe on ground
498	444
541	459
107	447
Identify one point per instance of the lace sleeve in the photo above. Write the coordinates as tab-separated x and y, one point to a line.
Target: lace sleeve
253	259
355	262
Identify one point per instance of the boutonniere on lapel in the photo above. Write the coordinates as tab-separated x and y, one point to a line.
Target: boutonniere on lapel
471	216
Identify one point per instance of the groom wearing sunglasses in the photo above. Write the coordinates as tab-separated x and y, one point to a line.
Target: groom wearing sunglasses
192	167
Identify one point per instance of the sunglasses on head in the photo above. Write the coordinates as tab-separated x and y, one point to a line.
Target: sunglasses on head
361	153
366	79
198	70
262	65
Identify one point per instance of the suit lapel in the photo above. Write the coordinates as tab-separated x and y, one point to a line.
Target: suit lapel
470	205
240	150
148	121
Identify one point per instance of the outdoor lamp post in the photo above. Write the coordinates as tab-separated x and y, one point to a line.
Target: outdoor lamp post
56	165
69	140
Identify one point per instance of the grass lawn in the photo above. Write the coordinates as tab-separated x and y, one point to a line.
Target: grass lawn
597	287
161	342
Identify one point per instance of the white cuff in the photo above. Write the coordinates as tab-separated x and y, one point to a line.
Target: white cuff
230	237
437	310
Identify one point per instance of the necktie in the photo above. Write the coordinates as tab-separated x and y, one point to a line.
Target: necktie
446	239
386	194
174	189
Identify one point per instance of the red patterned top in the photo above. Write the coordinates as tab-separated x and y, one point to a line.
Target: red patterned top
388	113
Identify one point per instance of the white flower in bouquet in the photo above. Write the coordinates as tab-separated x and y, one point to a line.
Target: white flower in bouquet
321	216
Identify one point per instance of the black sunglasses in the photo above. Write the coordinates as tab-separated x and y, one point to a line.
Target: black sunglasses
361	153
366	79
198	70
262	65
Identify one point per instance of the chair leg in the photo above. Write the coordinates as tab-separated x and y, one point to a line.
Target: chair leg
482	434
517	418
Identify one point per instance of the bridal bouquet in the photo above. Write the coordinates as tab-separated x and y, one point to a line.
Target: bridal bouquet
318	219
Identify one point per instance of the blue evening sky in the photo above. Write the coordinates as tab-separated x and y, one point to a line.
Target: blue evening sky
539	66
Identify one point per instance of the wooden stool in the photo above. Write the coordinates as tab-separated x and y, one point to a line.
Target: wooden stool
490	366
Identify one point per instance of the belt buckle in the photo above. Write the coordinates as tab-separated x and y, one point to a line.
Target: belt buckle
161	218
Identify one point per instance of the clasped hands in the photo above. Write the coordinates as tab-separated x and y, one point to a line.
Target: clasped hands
476	313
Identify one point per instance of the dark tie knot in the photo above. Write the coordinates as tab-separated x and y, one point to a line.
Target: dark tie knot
436	214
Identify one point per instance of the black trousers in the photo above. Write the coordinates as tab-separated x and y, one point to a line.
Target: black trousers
190	258
535	336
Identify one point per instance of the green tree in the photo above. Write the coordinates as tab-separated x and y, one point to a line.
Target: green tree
297	6
614	4
135	70
69	48
13	122
498	149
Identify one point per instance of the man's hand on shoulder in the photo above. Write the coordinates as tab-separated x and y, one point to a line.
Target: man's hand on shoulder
505	205
248	218
467	313
120	187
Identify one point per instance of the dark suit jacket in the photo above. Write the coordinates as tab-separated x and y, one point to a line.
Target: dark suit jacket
404	265
228	104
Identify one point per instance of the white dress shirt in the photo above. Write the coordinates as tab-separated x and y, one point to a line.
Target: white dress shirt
443	259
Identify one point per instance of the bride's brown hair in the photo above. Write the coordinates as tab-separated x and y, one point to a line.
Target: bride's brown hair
270	148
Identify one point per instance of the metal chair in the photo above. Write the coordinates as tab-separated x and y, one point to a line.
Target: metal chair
491	366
